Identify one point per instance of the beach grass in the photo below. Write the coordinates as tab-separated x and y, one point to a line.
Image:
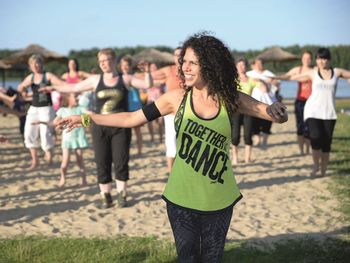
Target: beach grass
125	249
150	249
340	159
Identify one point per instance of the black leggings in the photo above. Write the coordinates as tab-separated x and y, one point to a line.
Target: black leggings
199	237
321	134
237	120
261	125
111	145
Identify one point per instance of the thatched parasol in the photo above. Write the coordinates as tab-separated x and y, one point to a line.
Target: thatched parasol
277	54
21	57
154	56
4	66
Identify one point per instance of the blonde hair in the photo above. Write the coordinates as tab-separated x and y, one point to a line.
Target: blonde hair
34	58
65	99
108	52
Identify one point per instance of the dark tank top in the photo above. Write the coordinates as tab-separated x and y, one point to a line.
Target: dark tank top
40	99
111	99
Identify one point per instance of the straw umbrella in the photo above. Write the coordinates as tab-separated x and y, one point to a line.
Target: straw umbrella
4	66
21	57
154	56
277	54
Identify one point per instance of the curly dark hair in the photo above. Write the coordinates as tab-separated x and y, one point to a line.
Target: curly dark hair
217	68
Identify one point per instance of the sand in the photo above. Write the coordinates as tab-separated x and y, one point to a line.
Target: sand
280	201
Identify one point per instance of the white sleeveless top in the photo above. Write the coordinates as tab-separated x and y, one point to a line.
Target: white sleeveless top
321	103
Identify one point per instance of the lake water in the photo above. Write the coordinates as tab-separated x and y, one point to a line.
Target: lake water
288	88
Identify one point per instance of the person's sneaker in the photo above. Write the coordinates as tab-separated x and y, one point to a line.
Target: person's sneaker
107	201
122	199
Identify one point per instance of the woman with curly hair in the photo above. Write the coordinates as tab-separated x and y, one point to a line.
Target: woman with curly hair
201	189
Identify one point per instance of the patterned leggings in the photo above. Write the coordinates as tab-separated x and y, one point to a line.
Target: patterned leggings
199	237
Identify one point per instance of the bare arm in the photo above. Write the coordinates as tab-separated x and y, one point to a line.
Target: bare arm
290	73
308	75
85	85
24	84
160	75
83	75
138	83
54	79
166	104
250	106
343	73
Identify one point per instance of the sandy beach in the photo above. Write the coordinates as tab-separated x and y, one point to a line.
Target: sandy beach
281	200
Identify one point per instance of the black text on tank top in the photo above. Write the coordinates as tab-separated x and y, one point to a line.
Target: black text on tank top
111	99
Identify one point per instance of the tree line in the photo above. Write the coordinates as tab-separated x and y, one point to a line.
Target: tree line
88	60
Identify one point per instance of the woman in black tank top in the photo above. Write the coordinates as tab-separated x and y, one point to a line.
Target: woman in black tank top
40	112
111	145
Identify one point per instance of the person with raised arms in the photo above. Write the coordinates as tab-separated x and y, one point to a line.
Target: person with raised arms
111	145
201	190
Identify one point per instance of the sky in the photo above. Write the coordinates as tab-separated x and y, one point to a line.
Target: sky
66	25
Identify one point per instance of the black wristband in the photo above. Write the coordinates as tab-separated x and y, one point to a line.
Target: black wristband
151	111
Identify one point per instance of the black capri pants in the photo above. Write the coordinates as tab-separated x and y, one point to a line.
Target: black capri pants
199	237
111	145
302	128
321	134
261	125
239	119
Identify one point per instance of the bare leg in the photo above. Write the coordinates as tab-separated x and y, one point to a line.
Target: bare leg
301	141
234	150
64	165
8	100
150	130
35	160
248	153
307	144
316	157
138	134
48	157
105	188
265	136
324	163
256	139
160	128
80	162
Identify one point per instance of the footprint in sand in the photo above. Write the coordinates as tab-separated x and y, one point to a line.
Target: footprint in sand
120	224
92	218
46	220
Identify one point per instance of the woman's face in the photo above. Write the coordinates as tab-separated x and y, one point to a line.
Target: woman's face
71	65
322	63
106	63
36	66
192	69
125	67
72	101
241	67
306	60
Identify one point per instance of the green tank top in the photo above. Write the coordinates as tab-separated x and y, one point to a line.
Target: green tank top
202	178
247	87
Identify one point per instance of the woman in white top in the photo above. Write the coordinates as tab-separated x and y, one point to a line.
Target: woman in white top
319	111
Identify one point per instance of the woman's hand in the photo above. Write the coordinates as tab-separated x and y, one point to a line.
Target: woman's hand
46	89
69	123
278	112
